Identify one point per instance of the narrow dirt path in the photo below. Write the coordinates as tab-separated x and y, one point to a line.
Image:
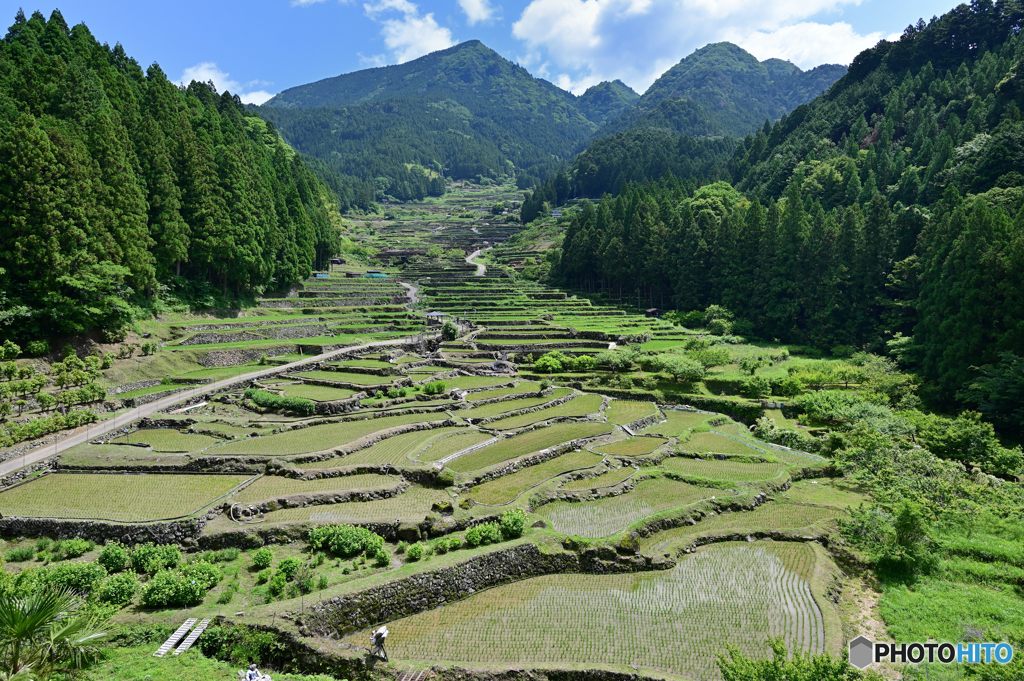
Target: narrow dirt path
93	430
481	269
413	290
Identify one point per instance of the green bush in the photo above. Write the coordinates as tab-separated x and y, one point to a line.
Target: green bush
170	588
401	546
114	557
226	596
151	559
434	388
269	400
513	523
277	584
37	348
20	554
263	577
222	556
414	552
119	589
473	536
382	558
288	566
322	583
81	577
262	558
490	533
449	331
345	540
203	573
440	545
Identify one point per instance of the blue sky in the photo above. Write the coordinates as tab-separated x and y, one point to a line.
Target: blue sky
260	47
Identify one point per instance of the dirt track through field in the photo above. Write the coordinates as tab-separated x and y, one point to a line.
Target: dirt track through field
119	421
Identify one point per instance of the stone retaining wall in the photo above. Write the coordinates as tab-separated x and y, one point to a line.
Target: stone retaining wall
128	387
230	358
19	475
404	597
183	532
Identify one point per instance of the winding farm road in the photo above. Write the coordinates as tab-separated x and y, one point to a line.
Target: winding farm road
86	433
481	269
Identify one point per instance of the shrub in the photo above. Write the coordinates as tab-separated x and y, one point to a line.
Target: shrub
288	567
81	577
440	546
454	543
345	540
382	558
473	536
151	559
321	583
269	400
401	547
392	393
203	573
263	577
37	348
226	596
114	557
119	589
379	395
262	558
513	523
21	554
490	533
434	388
757	386
414	552
277	584
303	578
446	477
449	331
71	548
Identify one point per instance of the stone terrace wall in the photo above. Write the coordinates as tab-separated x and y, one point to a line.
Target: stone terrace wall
178	532
424	591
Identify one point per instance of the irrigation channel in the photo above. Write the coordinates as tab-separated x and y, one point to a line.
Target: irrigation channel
86	433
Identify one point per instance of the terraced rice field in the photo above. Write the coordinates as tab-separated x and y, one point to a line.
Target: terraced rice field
677	422
523	388
275	486
612	515
116	497
490	410
719	444
526	443
772	516
318	393
837	493
612	477
168	440
635	446
346	377
389	450
505	489
473	382
624	412
675	621
713	469
456	443
576	407
320	438
413	504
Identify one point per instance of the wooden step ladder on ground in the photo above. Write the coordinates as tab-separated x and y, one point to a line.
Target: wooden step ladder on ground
192	637
175	637
412	675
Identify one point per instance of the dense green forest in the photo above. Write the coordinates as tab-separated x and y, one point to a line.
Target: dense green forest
721	89
116	183
467	113
884	213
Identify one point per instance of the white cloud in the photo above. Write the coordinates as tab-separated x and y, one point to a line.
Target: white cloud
411	35
373	60
306	3
477	11
637	40
207	71
808	44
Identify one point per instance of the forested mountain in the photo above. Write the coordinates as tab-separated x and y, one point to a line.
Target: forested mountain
114	182
463	112
468	113
721	89
606	100
886	212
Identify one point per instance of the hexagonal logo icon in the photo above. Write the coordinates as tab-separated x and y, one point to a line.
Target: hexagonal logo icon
862	652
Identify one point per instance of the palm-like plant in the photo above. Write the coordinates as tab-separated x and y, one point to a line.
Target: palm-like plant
43	632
